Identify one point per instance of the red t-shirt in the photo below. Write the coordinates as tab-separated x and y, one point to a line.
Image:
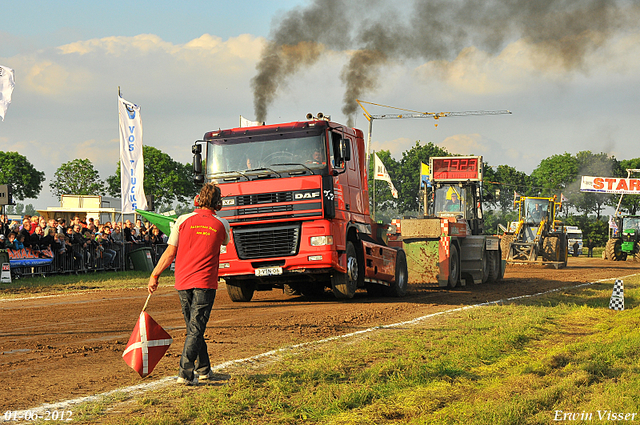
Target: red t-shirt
198	236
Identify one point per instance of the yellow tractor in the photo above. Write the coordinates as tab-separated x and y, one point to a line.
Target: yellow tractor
537	237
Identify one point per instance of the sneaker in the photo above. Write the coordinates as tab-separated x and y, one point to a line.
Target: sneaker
185	381
207	377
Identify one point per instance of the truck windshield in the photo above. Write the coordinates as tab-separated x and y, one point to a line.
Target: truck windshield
286	154
631	223
536	210
449	200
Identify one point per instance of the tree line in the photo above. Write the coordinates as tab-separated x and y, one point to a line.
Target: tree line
168	181
171	182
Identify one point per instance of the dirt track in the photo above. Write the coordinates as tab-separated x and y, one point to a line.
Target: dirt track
63	347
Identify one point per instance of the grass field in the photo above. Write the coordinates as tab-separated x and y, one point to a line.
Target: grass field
561	357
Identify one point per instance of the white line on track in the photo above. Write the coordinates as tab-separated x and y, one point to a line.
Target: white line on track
67	404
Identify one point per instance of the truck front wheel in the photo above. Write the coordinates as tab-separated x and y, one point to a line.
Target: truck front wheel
240	291
344	284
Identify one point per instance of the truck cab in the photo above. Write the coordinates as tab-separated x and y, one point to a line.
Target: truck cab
297	201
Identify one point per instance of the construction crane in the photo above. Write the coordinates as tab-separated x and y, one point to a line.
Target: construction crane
416	114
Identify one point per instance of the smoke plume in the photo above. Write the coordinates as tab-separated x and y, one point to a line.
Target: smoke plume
377	32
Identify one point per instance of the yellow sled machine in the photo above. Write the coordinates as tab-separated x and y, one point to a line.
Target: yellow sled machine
537	238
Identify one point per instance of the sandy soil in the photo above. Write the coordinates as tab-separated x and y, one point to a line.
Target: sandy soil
63	347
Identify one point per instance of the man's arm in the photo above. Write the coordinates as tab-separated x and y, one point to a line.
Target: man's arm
165	261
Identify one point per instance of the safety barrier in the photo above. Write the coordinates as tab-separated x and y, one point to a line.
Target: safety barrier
76	259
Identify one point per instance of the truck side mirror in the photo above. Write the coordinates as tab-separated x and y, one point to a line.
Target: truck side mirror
197	163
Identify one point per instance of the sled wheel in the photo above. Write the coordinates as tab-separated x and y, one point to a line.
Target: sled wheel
454	267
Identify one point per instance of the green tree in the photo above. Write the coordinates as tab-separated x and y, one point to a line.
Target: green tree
590	164
17	171
167	180
507	182
555	174
630	203
408	176
77	177
384	200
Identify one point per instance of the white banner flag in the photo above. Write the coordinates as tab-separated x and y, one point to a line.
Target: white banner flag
7	83
131	161
381	174
244	122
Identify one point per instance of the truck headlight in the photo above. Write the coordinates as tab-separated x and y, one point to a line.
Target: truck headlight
223	266
321	240
223	249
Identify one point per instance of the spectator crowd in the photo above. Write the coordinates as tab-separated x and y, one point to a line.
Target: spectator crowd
79	245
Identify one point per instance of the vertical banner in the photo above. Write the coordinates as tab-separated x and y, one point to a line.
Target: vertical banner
7	83
424	176
131	161
381	174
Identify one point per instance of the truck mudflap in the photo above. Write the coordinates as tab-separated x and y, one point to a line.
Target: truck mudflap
379	262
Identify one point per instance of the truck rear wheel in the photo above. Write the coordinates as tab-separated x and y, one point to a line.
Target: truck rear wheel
240	291
344	284
495	266
291	289
399	287
486	266
454	267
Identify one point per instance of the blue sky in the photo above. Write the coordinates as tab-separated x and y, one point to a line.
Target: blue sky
189	66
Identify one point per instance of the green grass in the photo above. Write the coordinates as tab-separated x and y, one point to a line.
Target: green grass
57	284
521	363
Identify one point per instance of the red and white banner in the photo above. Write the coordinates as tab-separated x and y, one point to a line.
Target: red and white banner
147	345
610	185
381	174
131	160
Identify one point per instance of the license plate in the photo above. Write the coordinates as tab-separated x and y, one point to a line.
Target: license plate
269	271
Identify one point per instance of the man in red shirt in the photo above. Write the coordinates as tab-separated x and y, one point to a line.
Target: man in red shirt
195	244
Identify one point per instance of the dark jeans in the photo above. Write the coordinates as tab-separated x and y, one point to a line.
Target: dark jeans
590	254
196	307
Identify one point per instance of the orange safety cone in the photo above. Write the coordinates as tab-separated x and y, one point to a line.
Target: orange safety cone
147	344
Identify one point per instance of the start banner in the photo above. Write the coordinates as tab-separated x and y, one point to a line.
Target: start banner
610	185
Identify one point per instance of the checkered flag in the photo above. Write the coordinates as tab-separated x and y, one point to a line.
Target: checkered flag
617	297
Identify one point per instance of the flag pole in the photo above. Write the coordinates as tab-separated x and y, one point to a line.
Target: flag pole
146	302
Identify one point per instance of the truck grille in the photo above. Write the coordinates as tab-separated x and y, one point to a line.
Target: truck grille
265	210
266	242
265	198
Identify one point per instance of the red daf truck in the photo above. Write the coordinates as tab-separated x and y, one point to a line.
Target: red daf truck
297	201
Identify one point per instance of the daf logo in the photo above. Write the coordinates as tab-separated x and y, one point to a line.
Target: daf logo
228	202
306	195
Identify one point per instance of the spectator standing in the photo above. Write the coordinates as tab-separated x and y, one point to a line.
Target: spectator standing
19	241
49	239
26	232
196	252
4	225
62	226
3	239
11	241
590	245
36	237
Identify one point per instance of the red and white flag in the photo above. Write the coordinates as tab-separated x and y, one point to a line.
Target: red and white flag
147	345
